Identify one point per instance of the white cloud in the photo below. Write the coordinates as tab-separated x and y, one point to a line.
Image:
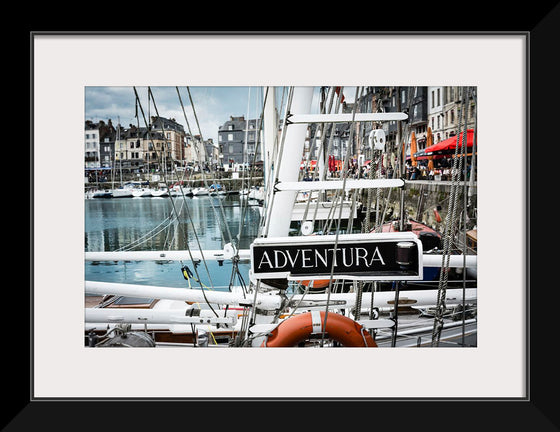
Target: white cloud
213	105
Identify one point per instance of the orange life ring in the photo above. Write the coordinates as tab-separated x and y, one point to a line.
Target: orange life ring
298	328
319	283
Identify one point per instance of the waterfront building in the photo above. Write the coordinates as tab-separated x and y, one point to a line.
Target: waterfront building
91	143
160	146
418	116
191	151
165	144
212	152
197	150
99	141
238	139
121	149
134	148
452	97
174	135
435	112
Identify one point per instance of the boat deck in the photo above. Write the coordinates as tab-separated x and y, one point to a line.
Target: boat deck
92	300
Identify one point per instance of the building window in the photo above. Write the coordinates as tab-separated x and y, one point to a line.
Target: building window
230	137
433	98
438	103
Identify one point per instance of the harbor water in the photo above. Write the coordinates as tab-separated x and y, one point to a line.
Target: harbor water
159	223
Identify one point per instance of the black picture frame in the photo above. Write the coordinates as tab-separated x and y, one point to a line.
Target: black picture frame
538	411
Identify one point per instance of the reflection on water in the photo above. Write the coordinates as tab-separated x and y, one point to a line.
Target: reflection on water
151	224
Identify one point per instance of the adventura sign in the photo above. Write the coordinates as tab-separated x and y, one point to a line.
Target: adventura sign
375	256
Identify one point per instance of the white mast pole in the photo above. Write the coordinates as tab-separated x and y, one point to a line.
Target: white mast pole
289	161
270	128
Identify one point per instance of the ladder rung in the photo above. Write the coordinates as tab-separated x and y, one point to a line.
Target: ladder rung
345	118
337	184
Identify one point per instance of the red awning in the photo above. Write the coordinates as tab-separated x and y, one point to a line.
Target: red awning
450	143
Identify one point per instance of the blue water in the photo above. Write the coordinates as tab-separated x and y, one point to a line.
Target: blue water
120	223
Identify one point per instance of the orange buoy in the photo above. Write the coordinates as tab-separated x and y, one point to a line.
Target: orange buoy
340	328
319	283
438	217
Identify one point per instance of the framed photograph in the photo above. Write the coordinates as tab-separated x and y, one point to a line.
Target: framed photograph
67	69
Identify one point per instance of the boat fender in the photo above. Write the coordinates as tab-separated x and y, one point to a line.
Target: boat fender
438	217
376	139
298	328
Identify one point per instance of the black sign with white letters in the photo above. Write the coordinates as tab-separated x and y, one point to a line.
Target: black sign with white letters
371	260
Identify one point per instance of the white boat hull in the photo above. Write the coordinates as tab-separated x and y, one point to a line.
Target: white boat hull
102	194
160	193
141	193
200	191
122	193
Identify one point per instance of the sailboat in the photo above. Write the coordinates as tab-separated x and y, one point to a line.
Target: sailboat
140	191
161	191
200	191
216	189
280	306
124	191
102	193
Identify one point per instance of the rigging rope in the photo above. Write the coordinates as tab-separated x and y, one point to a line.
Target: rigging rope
450	222
176	213
344	178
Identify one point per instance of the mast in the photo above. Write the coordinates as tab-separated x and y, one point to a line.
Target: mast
288	163
119	140
270	128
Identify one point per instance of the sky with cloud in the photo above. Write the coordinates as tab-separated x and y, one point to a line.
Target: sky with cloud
213	106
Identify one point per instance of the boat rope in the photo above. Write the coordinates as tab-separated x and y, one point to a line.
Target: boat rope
241	220
204	179
188	215
211	202
450	222
245	206
331	133
323	130
335	247
188	275
148	236
253	165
